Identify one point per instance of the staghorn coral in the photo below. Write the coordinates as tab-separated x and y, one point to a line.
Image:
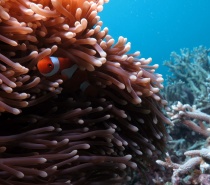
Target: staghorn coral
174	90
192	158
187	91
190	68
190	117
55	134
194	170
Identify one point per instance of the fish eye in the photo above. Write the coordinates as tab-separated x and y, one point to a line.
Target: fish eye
49	65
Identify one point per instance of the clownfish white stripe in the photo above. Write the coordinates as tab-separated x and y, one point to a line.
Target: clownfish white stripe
84	86
56	67
69	72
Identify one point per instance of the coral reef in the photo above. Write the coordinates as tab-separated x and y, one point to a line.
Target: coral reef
189	115
189	79
196	163
54	133
187	92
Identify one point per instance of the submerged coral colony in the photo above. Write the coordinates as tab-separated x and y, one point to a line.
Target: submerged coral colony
188	94
77	108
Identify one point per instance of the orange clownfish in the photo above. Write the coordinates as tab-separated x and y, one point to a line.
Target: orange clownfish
62	68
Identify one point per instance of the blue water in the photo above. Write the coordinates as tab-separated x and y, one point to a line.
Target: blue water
158	27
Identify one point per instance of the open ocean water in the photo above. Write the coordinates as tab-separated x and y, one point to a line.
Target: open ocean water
158	27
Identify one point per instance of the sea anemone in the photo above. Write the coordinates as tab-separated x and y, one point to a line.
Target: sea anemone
54	134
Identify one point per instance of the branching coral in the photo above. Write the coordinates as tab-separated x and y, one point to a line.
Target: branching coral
198	158
187	114
196	167
61	135
192	69
187	91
